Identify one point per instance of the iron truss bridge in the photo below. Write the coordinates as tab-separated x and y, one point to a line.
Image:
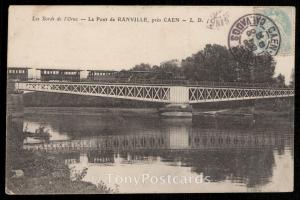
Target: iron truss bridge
157	93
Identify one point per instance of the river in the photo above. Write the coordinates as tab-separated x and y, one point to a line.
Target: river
140	152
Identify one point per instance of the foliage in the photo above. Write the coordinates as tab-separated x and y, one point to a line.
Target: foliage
46	174
280	80
105	189
78	175
141	67
217	63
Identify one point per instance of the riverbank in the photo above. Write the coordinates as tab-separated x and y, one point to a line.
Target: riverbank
39	172
87	110
43	173
240	111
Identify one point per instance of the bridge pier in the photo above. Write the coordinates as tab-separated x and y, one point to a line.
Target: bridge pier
176	110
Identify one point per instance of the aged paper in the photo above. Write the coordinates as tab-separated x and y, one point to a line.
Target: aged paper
150	99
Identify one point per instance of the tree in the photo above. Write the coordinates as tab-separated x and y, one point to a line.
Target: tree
141	67
280	80
213	63
217	63
172	66
263	69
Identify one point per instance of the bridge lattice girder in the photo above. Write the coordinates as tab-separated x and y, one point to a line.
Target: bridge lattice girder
157	93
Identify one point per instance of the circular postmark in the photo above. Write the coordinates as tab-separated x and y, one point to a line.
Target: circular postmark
253	35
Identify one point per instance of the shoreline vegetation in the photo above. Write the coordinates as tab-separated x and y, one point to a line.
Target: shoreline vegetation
30	172
43	173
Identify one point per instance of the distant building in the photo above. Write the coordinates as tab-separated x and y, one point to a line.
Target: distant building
60	75
17	73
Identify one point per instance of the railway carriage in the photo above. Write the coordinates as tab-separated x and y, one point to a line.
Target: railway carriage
101	75
17	73
60	75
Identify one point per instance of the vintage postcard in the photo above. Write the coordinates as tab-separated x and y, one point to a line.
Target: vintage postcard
150	99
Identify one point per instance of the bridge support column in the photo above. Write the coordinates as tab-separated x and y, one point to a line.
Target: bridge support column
179	94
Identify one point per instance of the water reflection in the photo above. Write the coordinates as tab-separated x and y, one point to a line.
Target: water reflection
236	155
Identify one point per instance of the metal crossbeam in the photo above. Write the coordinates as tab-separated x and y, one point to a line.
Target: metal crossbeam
203	94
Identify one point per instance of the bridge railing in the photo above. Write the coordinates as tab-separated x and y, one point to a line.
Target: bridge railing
191	83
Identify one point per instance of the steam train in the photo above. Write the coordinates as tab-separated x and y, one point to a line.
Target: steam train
69	75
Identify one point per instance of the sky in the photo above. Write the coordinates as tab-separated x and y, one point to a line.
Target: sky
120	45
